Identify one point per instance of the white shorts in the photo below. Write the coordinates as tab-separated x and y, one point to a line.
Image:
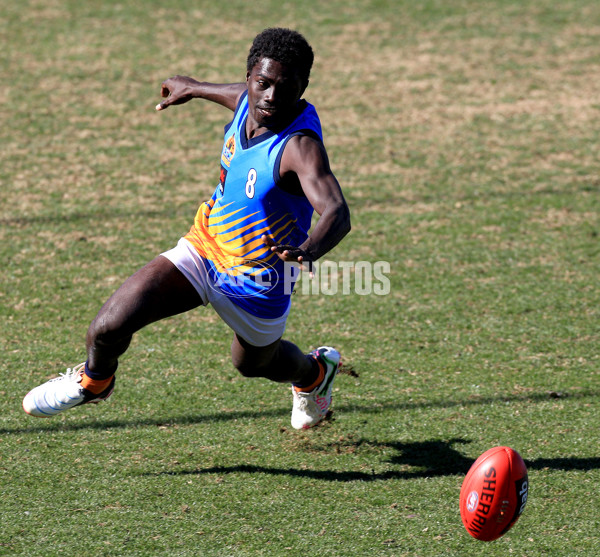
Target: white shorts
257	331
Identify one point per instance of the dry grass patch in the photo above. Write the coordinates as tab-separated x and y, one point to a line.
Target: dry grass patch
433	90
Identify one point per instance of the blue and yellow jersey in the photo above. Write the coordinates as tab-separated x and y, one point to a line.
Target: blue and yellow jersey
247	204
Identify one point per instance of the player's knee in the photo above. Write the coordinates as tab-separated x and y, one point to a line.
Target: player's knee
251	367
247	368
252	361
102	332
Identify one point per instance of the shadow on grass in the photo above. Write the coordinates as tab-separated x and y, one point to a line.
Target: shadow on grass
424	459
49	425
427	459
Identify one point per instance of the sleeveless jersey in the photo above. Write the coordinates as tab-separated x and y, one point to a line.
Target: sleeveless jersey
248	203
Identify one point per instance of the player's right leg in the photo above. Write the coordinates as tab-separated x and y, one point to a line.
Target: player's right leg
156	291
312	375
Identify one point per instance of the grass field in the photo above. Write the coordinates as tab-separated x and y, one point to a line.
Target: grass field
466	137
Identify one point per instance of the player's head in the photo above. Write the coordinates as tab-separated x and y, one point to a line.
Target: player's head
285	46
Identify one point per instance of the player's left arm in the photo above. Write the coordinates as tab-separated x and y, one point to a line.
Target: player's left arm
307	158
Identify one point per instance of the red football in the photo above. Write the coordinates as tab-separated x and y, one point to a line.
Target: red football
493	493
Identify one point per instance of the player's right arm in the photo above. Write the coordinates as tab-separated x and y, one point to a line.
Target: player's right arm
180	89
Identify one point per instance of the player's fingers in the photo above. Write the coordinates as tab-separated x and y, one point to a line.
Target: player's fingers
306	266
270	242
303	266
165	92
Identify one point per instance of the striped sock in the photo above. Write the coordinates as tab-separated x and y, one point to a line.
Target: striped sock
95	386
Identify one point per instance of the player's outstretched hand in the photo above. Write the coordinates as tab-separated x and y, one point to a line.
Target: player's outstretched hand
178	89
290	253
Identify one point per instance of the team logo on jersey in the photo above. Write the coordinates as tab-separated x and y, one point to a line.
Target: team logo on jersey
222	179
228	150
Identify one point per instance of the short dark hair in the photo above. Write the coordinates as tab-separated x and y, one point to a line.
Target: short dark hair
285	46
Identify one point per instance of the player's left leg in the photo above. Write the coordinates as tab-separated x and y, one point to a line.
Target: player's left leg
158	290
311	375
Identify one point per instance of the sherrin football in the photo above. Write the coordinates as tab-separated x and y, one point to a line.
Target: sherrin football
493	493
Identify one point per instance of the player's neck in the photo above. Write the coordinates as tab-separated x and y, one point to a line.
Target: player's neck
254	130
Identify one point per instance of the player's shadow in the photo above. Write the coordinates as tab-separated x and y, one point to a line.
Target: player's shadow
411	460
193	417
425	459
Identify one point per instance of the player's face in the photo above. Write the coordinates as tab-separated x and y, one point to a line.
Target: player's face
273	93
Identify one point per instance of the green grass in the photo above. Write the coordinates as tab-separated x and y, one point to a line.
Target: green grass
465	136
